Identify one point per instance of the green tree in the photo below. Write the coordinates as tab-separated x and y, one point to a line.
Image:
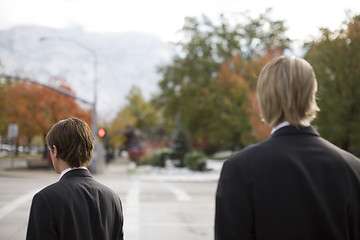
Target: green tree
180	142
192	85
117	127
146	116
335	57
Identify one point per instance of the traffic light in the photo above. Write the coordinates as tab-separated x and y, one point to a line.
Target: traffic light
101	132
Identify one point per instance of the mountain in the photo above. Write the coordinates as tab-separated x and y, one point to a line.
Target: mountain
123	60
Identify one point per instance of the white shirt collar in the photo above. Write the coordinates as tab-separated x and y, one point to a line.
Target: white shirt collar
281	125
68	170
286	123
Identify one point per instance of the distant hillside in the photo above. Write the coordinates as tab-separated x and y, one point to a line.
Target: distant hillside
124	60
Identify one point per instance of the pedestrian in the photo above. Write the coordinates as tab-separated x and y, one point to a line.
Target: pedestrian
77	207
294	185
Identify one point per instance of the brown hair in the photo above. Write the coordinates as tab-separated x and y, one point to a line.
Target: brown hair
74	141
286	91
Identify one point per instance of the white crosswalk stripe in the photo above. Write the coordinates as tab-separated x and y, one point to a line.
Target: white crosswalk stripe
132	212
180	194
16	203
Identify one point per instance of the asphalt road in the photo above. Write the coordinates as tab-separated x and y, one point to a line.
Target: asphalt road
155	206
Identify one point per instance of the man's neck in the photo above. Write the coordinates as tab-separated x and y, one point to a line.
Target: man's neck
62	165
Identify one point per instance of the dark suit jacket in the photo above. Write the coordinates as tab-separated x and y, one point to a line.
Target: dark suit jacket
76	207
294	185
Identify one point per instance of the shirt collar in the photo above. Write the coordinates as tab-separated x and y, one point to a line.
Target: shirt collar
68	170
286	123
281	125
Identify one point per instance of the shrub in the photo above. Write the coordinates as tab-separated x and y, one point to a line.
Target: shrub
159	157
196	161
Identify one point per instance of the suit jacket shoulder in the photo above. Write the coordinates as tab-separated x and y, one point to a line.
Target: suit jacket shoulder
290	143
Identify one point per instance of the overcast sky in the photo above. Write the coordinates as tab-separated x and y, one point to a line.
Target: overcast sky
166	17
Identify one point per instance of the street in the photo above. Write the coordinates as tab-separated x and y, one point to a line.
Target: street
160	205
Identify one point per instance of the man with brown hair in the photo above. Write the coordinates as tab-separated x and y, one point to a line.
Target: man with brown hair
294	185
76	207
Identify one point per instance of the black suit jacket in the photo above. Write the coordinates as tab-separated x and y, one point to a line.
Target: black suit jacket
294	185
76	207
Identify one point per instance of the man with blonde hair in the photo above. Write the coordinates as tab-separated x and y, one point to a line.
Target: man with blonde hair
76	207
295	184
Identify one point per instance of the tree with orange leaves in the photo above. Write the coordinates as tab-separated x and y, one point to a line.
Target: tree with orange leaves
237	80
231	90
4	85
36	108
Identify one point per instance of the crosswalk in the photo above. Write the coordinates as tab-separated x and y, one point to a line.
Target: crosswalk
132	211
179	193
151	207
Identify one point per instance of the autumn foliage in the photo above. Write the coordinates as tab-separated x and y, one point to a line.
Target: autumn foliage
237	77
36	108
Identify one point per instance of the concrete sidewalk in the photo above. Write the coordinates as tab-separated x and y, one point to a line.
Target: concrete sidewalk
19	168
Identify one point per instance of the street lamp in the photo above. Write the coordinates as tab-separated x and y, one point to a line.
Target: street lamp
94	117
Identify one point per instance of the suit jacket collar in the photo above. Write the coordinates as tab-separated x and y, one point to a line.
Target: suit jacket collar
76	173
291	130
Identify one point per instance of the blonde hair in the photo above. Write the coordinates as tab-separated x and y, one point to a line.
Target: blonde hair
286	92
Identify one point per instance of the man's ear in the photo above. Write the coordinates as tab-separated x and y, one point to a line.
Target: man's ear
54	150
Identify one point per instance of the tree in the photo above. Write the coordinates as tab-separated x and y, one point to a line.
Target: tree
208	82
146	116
5	83
180	143
335	57
231	102
35	108
117	126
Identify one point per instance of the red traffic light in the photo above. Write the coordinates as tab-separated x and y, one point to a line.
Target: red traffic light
101	132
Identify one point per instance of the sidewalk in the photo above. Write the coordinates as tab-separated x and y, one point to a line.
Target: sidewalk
19	168
121	167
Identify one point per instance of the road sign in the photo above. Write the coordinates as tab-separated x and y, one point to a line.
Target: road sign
13	130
